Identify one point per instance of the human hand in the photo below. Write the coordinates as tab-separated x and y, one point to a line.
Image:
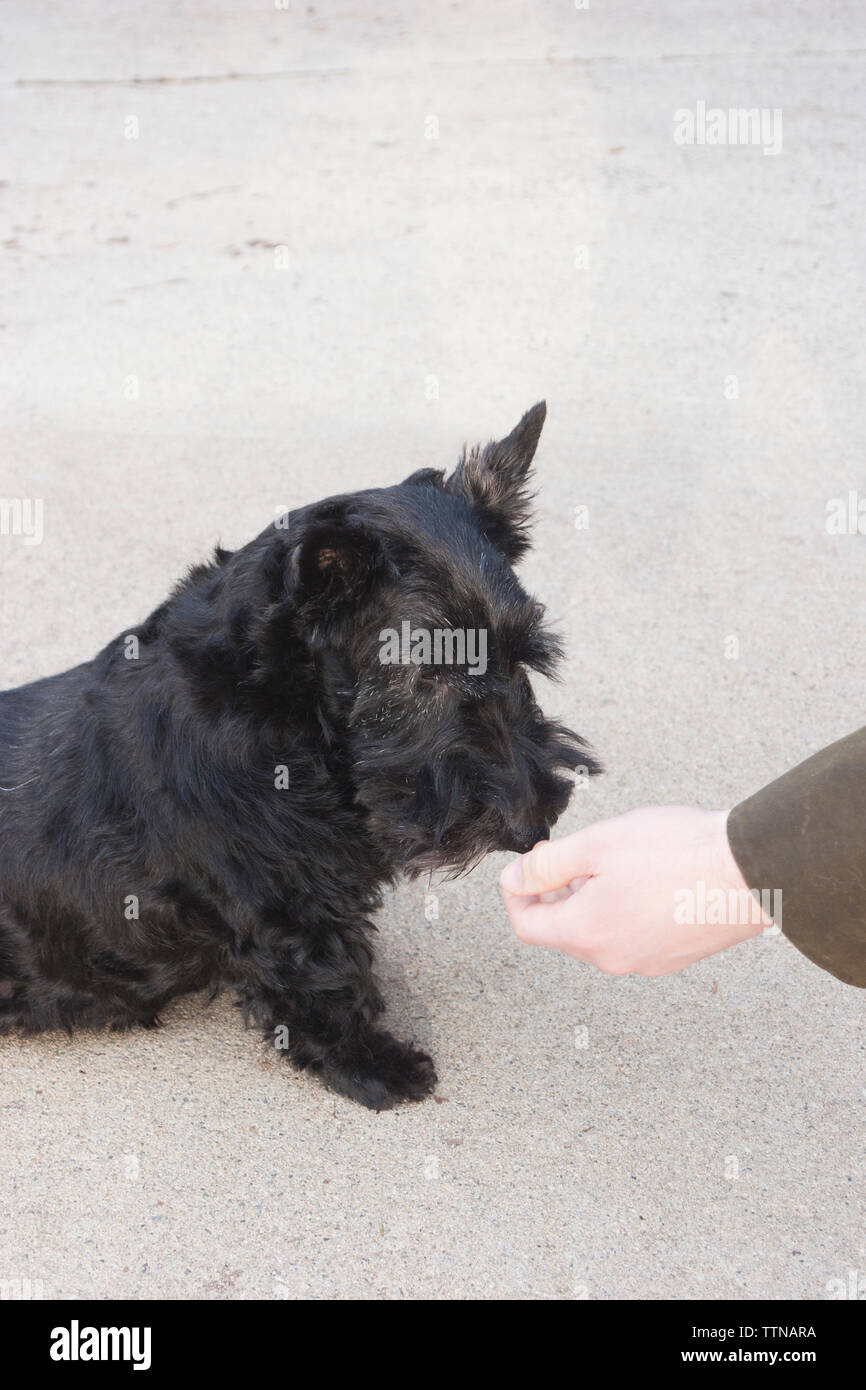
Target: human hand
616	893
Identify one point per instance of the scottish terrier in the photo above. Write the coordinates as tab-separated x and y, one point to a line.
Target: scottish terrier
219	796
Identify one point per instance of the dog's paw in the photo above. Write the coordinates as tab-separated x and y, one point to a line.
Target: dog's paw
383	1072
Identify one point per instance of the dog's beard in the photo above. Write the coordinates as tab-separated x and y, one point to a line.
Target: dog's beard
446	781
446	819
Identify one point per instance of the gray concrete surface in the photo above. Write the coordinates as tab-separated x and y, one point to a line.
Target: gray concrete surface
172	376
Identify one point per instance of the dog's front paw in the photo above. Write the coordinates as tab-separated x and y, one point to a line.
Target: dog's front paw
382	1072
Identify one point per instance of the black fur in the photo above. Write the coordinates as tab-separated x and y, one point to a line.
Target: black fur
148	844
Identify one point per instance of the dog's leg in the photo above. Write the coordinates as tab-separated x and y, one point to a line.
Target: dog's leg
315	996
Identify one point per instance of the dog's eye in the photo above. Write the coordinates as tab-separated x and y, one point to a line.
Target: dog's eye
433	682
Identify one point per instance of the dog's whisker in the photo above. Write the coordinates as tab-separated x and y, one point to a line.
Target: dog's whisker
28	783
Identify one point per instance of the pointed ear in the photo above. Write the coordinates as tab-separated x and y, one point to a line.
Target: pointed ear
495	480
333	571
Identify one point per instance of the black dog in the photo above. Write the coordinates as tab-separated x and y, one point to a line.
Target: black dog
218	796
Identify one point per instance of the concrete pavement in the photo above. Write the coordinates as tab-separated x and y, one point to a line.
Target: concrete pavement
255	255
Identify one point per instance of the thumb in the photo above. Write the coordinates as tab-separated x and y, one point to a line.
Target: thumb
551	864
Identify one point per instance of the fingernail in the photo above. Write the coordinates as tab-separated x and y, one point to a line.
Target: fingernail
512	876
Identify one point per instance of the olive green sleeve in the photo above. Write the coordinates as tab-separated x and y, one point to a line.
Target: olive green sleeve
804	835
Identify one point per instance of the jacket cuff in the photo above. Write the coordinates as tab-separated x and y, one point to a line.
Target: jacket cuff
804	835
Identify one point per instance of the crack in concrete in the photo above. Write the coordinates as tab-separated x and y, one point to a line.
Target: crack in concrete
285	74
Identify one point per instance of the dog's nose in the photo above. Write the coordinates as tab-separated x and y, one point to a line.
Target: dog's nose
523	837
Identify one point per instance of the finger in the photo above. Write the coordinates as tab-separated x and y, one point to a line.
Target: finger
557	925
552	864
556	896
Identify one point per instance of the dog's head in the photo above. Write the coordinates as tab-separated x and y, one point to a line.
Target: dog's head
424	640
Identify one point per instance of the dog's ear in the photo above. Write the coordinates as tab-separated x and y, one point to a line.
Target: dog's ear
423	476
335	569
495	479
